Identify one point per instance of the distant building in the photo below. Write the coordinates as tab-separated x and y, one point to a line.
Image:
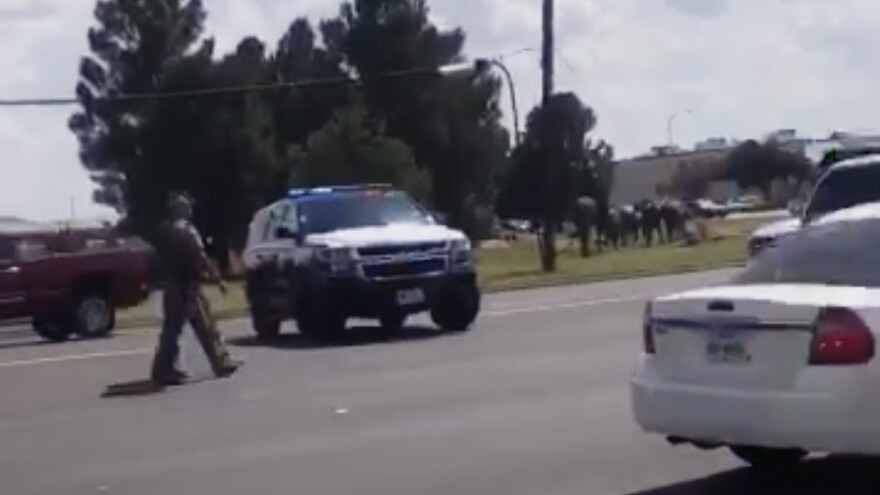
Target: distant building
714	144
646	177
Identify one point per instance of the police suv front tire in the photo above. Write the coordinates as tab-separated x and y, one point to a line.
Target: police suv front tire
267	329
391	325
457	308
318	321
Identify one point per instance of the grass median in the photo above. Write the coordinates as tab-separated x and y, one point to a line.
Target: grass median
515	266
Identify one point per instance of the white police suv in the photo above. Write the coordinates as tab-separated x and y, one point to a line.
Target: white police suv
320	256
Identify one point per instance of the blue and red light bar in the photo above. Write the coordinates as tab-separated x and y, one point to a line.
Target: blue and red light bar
302	192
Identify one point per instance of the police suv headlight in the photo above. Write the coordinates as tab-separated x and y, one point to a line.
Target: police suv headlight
461	245
334	255
336	259
461	252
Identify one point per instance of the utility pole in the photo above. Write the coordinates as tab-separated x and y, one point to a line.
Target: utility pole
547	239
547	51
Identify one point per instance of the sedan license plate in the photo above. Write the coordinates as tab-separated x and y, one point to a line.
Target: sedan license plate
727	349
410	297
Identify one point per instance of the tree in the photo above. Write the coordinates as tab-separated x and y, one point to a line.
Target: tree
349	150
598	180
298	58
452	124
753	164
466	147
219	149
130	49
549	169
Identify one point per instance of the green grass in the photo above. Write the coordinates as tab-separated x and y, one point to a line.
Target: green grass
516	267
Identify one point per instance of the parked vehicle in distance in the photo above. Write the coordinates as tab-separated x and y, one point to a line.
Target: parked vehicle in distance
323	255
844	184
69	281
706	208
744	204
779	362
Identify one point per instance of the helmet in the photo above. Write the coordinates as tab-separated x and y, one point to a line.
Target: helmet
180	207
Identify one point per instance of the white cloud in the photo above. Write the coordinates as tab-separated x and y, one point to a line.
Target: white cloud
743	66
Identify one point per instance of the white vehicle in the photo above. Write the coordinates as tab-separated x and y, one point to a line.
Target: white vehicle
847	183
781	361
323	255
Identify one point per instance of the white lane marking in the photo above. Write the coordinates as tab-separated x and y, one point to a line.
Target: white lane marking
74	357
571	305
496	313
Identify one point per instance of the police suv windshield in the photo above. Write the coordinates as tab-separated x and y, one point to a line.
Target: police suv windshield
321	214
840	253
843	188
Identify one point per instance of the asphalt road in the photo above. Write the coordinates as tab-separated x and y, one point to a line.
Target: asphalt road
532	401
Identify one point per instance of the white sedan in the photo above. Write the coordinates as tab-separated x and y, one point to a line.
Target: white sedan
781	361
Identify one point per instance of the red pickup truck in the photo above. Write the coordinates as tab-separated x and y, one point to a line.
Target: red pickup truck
70	281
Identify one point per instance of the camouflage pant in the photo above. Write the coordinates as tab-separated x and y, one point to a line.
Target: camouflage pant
182	304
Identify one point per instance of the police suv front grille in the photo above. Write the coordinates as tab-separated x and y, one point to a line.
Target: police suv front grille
422	247
413	268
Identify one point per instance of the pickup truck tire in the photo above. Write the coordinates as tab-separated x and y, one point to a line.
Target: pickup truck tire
93	317
52	328
457	308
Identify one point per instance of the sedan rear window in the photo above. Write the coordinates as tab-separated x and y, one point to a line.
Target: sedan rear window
842	253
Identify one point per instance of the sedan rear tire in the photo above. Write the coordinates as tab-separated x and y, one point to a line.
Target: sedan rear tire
769	459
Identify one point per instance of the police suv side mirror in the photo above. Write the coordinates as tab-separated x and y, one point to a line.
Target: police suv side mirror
440	218
284	233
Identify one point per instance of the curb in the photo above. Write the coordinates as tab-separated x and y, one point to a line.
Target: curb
563	281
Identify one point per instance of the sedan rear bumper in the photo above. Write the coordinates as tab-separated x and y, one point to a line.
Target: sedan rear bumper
827	410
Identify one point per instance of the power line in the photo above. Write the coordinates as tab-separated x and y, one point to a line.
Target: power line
224	91
245	89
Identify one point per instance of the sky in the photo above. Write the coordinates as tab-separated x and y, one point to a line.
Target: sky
732	68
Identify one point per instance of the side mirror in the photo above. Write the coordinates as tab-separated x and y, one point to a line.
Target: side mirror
284	233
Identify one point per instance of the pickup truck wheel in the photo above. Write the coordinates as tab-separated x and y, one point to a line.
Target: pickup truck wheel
93	317
52	328
457	308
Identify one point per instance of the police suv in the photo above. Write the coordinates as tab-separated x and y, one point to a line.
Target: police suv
320	256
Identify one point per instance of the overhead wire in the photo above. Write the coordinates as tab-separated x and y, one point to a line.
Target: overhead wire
241	89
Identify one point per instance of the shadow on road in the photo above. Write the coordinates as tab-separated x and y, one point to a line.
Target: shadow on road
357	336
24	343
829	476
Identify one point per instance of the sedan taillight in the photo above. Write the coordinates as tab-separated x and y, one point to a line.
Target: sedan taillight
841	338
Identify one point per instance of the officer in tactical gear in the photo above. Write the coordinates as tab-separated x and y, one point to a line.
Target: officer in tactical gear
185	263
